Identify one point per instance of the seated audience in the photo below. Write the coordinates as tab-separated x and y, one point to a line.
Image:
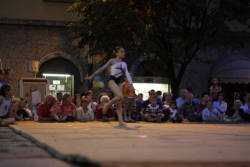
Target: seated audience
109	116
204	100
196	99
236	113
44	109
98	103
139	106
153	112
190	110
83	113
23	113
92	104
77	100
220	104
6	116
173	111
59	97
214	89
67	110
167	100
2	81
182	99
211	114
152	95
246	108
159	95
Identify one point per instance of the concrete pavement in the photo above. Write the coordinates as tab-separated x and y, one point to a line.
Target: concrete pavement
16	151
146	143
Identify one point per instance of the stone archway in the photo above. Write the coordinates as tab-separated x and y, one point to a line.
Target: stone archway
60	54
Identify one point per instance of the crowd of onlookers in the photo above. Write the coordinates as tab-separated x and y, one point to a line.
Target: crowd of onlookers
159	107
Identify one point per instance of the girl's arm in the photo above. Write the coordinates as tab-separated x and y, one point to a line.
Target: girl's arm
129	79
101	69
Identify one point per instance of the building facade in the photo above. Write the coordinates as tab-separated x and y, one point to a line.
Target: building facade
36	30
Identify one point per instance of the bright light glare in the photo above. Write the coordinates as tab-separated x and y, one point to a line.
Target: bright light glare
56	75
144	88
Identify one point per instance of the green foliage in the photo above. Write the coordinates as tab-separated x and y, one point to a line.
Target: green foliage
174	30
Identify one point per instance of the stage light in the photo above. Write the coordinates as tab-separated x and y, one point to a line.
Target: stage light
56	75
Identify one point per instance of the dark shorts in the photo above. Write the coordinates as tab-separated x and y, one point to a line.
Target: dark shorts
118	80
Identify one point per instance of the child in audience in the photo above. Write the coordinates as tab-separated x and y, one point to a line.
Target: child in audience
153	112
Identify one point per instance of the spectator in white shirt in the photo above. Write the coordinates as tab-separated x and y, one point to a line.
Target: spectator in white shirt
182	99
83	112
92	104
220	104
211	113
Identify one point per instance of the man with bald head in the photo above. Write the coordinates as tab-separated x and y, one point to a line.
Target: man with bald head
44	112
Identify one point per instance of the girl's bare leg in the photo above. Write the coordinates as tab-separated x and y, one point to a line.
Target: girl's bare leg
119	113
117	99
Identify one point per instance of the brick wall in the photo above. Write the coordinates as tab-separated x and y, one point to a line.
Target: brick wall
21	43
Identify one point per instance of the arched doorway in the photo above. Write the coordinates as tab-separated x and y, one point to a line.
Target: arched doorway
62	74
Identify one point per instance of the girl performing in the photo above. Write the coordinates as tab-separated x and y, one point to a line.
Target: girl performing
118	74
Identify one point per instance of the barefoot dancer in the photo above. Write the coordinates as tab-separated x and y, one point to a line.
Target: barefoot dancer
118	71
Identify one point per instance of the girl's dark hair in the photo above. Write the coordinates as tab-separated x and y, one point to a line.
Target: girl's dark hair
116	49
4	90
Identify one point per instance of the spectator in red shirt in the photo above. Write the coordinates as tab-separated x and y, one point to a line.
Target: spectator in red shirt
44	112
109	116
